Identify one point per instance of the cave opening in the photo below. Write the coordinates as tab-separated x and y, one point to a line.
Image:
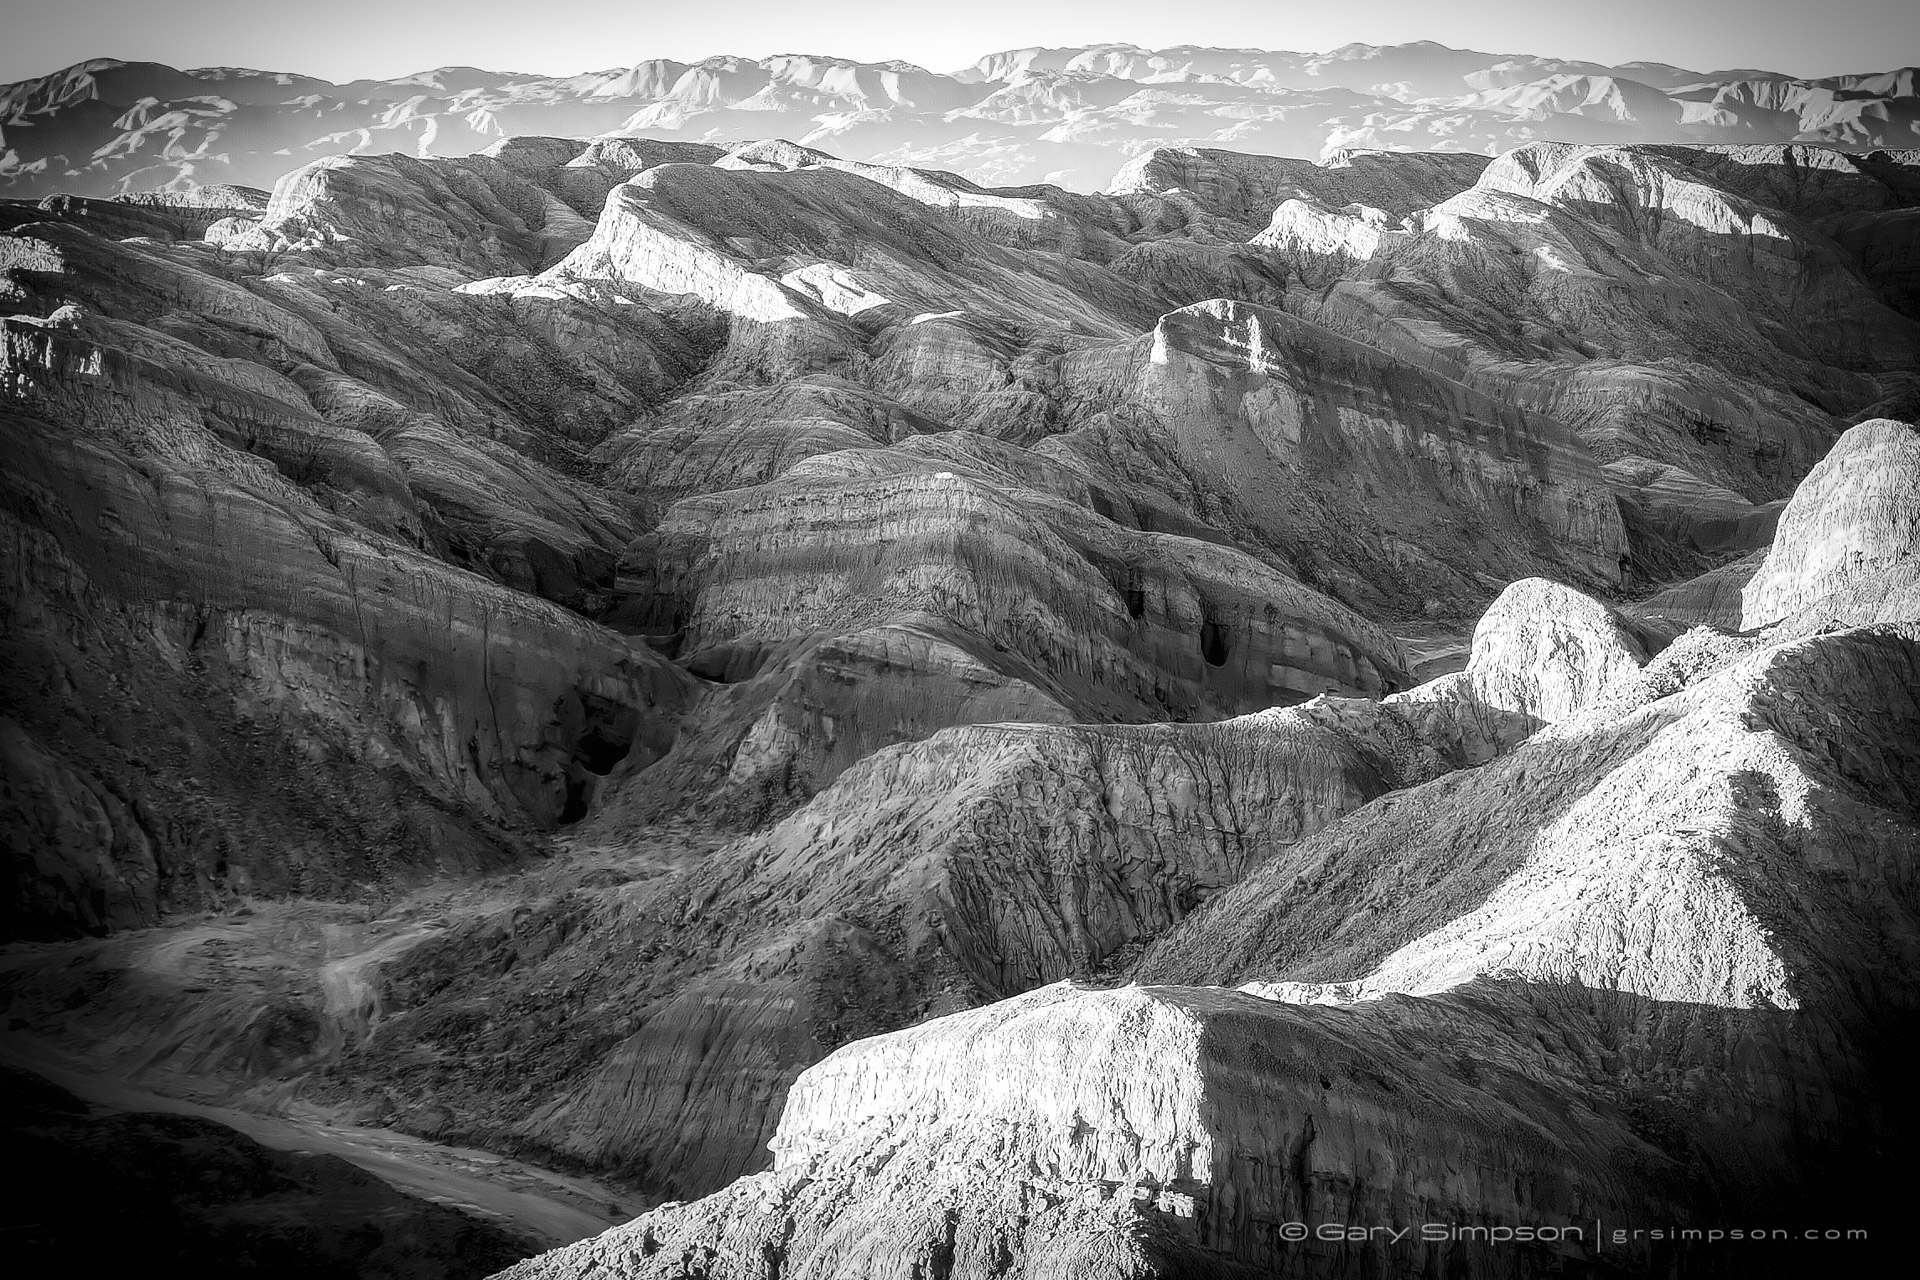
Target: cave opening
598	754
607	737
603	733
1213	643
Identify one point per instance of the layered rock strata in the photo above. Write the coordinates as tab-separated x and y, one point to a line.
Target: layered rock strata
906	595
1174	1128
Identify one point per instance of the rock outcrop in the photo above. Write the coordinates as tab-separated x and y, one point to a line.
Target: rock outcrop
1683	509
1542	653
1852	533
811	242
975	864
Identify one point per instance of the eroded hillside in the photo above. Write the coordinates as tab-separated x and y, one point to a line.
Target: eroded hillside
543	648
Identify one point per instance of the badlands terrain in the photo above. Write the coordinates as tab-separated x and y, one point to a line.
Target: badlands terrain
840	721
1070	116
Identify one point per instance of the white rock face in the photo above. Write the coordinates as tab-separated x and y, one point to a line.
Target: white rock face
771	245
1541	654
1143	1131
1147	1096
1853	527
1334	240
641	247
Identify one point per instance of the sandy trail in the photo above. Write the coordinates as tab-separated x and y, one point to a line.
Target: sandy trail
551	1208
185	994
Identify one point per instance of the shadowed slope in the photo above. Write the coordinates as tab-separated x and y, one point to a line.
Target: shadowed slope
1618	998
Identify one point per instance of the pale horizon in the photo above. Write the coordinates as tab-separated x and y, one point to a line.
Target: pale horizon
362	39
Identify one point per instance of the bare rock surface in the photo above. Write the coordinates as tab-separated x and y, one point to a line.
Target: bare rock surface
1542	653
1155	1146
1156	1126
1852	530
547	647
1618	754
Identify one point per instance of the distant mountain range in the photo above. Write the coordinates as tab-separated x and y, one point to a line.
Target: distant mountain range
1068	116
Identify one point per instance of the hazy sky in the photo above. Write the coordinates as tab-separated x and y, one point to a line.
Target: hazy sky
347	39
